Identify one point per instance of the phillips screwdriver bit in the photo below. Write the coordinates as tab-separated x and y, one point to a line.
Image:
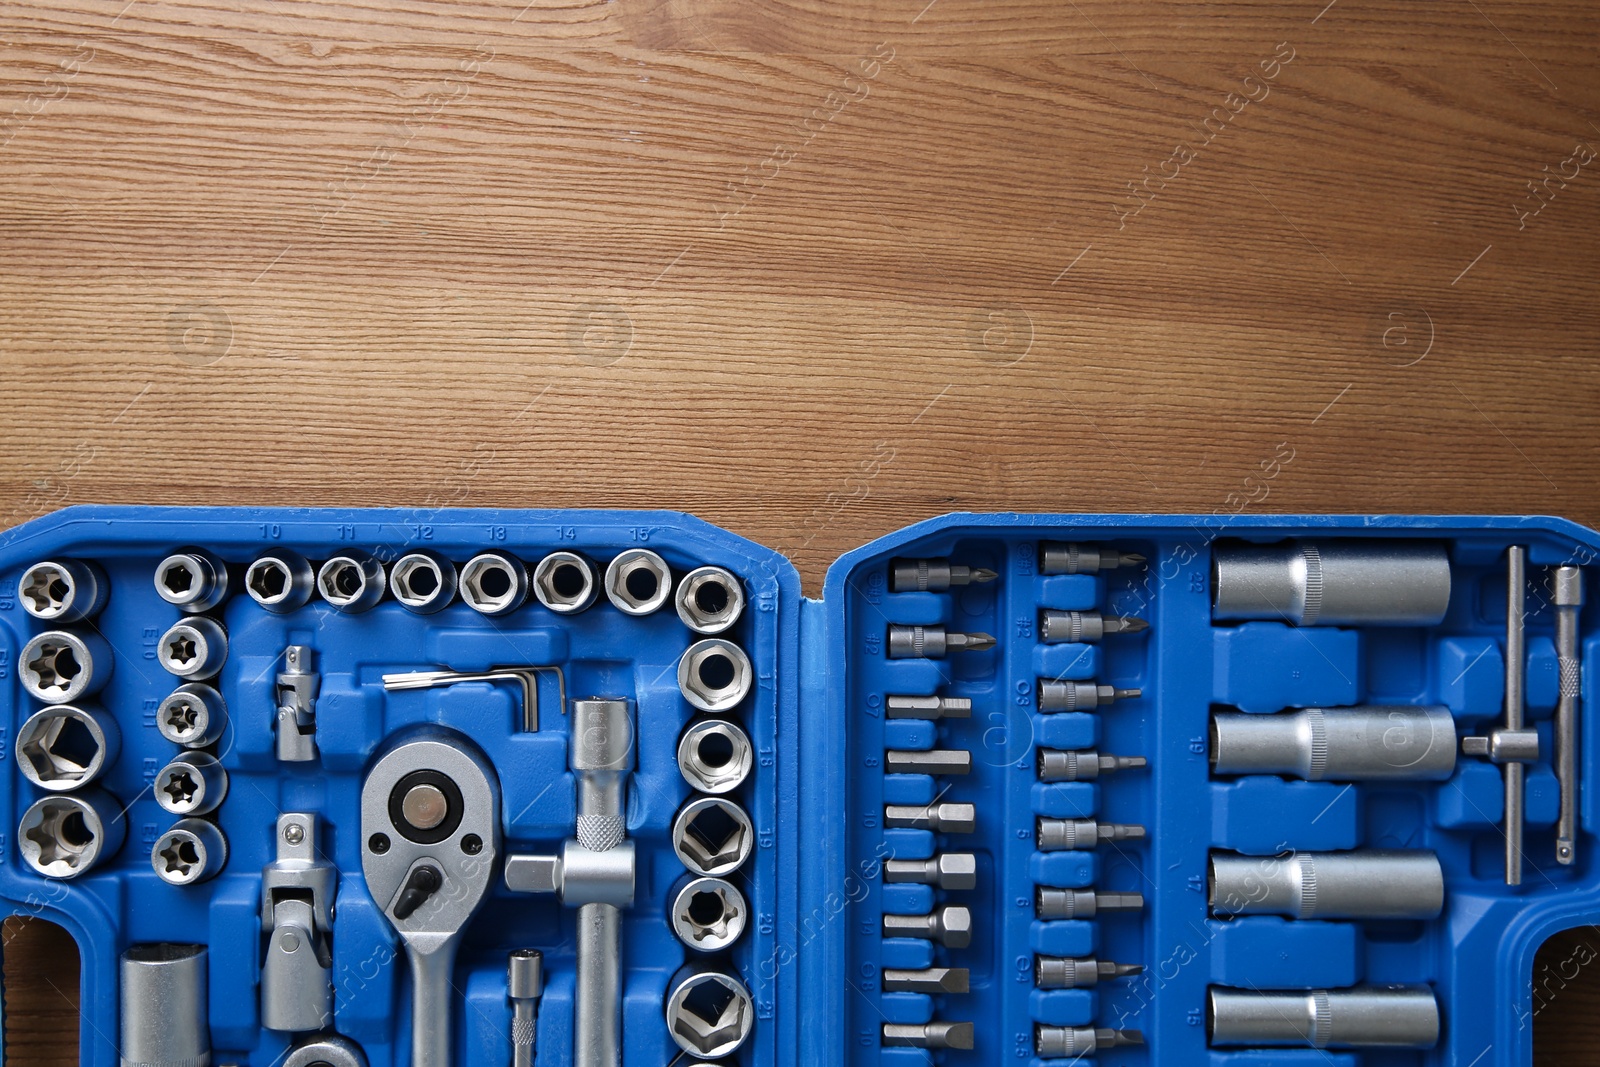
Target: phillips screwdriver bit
945	818
950	925
1064	557
928	1035
1082	903
1061	835
930	707
927	761
1070	1042
1060	972
933	980
934	575
932	642
1080	696
1067	765
948	870
1076	627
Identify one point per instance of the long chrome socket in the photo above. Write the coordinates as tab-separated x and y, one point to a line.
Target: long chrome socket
1363	884
1376	1016
1332	583
164	1006
1373	742
62	591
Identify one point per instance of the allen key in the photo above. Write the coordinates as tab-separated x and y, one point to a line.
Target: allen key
526	677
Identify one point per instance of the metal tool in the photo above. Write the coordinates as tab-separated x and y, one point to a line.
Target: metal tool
1081	903
352	581
1085	627
1058	835
192	579
709	599
933	980
1332	583
297	900
164	1006
715	675
64	746
1071	1042
191	852
280	581
1065	557
712	835
494	584
193	784
707	914
65	835
942	818
526	677
1080	696
297	687
1374	1016
62	591
59	667
1077	765
934	575
194	649
1061	972
524	987
927	761
1373	742
928	1035
715	756
709	1013
430	820
1363	884
1568	589
566	582
928	707
933	642
948	870
950	925
424	582
638	581
325	1050
1512	745
193	716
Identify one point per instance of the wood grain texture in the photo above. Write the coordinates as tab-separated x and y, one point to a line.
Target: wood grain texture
811	271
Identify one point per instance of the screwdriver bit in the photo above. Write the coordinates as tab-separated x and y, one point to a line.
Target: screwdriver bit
948	870
1063	1042
931	707
1061	627
932	642
1064	557
927	761
933	980
928	1035
945	818
934	575
1066	765
1059	835
950	925
1080	696
1082	903
1060	972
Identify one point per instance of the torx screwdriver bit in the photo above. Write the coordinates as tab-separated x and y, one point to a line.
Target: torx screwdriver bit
948	870
1061	835
1069	765
934	575
930	707
1061	972
1064	557
1080	696
933	980
1076	627
928	1035
927	761
944	818
932	642
1070	1042
1082	903
950	925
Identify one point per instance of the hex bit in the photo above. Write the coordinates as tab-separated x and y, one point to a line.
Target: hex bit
934	575
1068	765
948	870
928	1035
1085	627
1061	972
1082	903
933	642
1065	557
1080	696
927	761
929	707
1059	835
1071	1042
944	818
934	980
950	925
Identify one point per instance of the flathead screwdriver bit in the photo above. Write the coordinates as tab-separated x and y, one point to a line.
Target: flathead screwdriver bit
950	925
948	870
930	707
1069	765
1079	627
934	980
1082	903
927	761
943	818
934	575
932	642
1064	835
1064	557
928	1035
1070	1042
1061	972
1080	696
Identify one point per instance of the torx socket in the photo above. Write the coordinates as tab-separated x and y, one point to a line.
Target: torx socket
1061	972
193	716
192	784
929	707
927	761
1080	696
1373	742
1332	583
1082	903
944	817
950	925
1063	835
1071	1042
164	1006
933	575
192	851
64	835
1375	1016
61	667
1065	557
1068	765
1363	884
1085	627
62	591
194	649
933	642
928	1035
948	870
932	980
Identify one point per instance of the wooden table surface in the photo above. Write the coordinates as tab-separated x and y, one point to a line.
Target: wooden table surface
809	270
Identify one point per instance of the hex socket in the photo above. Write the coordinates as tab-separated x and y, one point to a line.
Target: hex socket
1332	583
62	591
352	581
566	582
60	667
423	582
638	581
715	756
192	580
494	584
1387	1016
1362	884
164	1006
280	581
709	600
709	1013
1371	742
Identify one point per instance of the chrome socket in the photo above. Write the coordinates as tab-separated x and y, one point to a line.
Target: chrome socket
59	667
1399	742
1332	583
423	582
566	582
65	835
193	851
194	716
709	600
192	579
494	583
1361	884
62	591
195	648
1374	1016
715	756
325	1050
707	914
165	1006
715	675
193	784
709	1014
712	835
352	581
65	746
638	582
280	581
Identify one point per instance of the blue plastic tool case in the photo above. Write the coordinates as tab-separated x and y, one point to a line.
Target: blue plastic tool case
814	950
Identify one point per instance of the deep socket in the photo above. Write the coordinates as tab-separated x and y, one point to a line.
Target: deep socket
1332	583
164	1006
1363	884
1373	742
1376	1016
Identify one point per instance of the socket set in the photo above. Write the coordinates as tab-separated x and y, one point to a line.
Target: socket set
375	788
